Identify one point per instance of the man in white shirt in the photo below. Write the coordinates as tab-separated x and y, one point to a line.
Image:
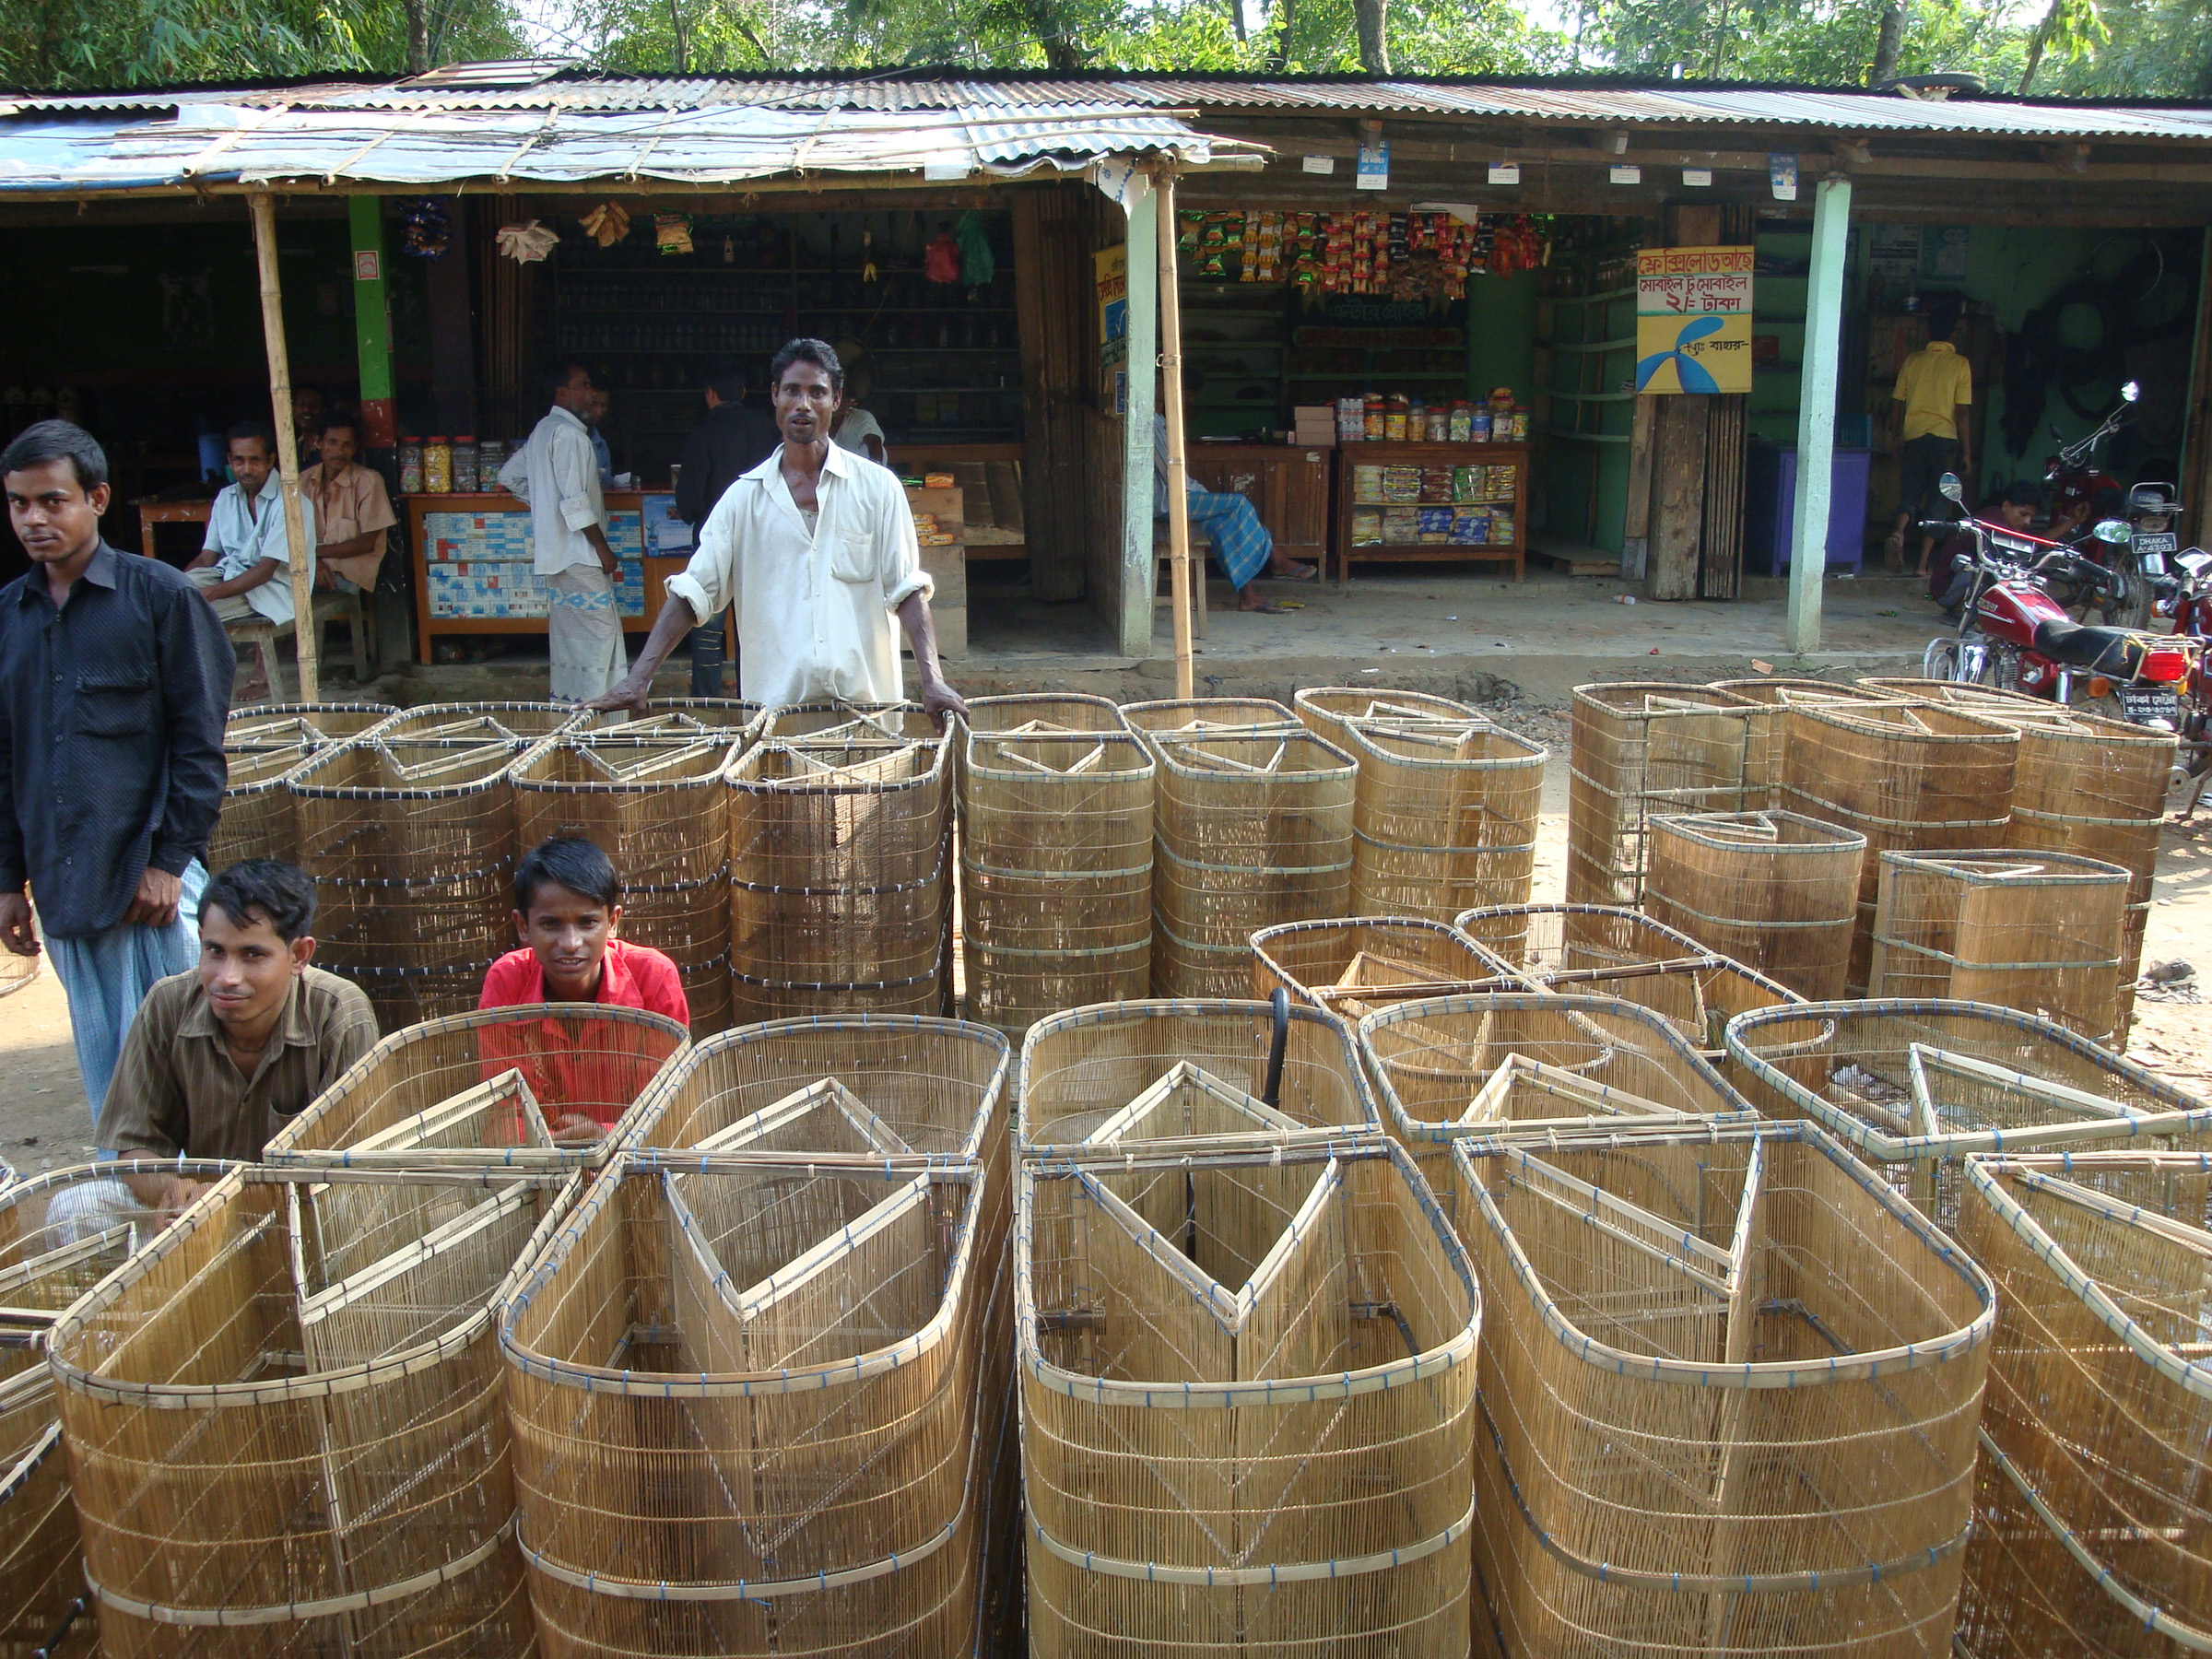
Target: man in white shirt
816	549
555	472
244	567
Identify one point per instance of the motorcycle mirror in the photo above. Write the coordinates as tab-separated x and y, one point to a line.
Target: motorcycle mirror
2131	392
2111	530
1952	489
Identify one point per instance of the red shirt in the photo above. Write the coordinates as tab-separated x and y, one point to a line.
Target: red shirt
595	1067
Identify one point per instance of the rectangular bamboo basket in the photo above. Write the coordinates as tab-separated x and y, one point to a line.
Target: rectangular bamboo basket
1909	777
1913	1087
841	865
2039	932
1444	817
1729	1386
1249	832
1328	712
1775	696
650	794
2092	1540
1645	747
750	1413
1155	1075
285	1421
1055	871
1777	891
488	1091
1247	1389
1352	965
262	745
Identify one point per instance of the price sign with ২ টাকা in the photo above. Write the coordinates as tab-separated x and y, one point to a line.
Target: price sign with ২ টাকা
1693	319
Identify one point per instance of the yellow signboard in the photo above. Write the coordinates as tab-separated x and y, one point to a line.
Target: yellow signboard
1693	319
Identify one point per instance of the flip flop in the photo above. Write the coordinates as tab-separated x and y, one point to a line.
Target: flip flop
1268	609
1304	573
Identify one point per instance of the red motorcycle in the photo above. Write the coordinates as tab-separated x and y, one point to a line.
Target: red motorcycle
2012	634
2072	482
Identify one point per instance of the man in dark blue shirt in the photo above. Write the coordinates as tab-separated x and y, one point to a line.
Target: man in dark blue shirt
114	685
731	441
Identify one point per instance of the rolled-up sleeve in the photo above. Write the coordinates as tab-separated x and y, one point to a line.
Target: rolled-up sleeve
709	580
899	562
574	471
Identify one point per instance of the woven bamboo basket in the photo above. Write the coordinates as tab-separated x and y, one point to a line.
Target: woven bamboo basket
1328	712
488	1091
2039	932
1909	777
1137	1075
263	746
1445	818
1774	696
281	725
1914	1087
1250	832
284	1425
745	1397
16	972
1208	716
2096	1438
467	720
1645	747
650	794
1352	965
1602	951
411	844
1776	891
1055	871
1246	1406
841	865
1729	1384
1045	713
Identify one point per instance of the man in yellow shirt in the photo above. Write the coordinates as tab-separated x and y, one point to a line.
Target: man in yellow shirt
1934	391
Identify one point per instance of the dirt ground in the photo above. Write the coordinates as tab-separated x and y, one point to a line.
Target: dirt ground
44	1124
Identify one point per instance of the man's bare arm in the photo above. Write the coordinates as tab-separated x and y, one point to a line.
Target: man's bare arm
675	623
939	699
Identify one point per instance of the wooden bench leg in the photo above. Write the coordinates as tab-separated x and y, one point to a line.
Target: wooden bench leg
271	667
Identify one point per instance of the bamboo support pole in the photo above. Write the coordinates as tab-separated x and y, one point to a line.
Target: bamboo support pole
287	443
1170	365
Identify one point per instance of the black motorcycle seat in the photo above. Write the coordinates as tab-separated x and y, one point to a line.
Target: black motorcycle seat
2108	650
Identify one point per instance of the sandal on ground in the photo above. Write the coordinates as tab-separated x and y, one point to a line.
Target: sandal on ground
1297	572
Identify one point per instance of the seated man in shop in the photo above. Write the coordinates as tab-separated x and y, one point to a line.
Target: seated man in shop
816	547
352	510
568	905
220	1055
2016	510
243	567
1242	546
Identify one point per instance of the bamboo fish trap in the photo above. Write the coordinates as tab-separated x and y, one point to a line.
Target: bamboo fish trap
15	972
285	1426
1645	747
1246	1390
1048	714
745	1404
1328	712
841	865
1444	817
1208	717
2093	1538
2039	932
1055	870
1250	832
1729	1386
651	795
411	844
1769	729
281	725
1186	1074
1909	777
469	720
1352	965
263	746
490	1090
1914	1087
1777	891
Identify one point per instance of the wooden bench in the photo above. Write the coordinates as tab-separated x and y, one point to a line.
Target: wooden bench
1163	557
263	636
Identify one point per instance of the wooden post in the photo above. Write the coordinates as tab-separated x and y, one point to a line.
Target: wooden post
1817	411
287	443
371	320
1139	575
1179	472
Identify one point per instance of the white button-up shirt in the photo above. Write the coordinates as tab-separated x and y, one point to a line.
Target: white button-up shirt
814	610
557	474
242	532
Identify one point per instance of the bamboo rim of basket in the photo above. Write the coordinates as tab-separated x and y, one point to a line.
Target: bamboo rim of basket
1910	722
583	742
1700	828
48	1443
546	1259
931	777
1263	939
1629	699
1273	717
1362	736
2188	1114
1271	1575
1955	864
1458	1349
1757	1374
1706	959
1141	767
302	784
1073	699
1173	747
452	711
18	1188
310	1385
1324	700
1789	691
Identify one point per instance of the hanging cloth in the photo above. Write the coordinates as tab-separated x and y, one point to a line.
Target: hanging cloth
977	264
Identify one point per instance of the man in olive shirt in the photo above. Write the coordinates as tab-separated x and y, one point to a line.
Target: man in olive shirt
220	1055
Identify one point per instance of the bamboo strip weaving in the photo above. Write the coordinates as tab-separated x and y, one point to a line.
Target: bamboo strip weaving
1774	696
1209	717
1641	747
1353	965
1328	712
1044	714
1776	891
263	746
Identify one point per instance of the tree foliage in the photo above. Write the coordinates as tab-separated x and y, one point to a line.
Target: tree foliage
94	43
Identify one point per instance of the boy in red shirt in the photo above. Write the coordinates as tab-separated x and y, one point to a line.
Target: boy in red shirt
585	1074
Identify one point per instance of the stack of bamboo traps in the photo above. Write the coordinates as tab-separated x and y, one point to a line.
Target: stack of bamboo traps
531	1088
1055	866
1642	748
285	1423
2093	1539
1729	1387
1602	951
1910	777
1208	716
1190	1074
650	794
264	746
410	840
1355	964
1915	1086
1249	830
474	721
1774	696
1247	1382
1777	891
1328	712
841	865
747	1398
2039	932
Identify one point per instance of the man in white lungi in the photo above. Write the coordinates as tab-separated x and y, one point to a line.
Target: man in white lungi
816	549
555	472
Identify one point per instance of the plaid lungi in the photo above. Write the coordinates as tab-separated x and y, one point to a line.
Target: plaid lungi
1242	546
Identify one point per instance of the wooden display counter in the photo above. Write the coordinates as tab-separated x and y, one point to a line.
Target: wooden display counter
1287	486
1430	501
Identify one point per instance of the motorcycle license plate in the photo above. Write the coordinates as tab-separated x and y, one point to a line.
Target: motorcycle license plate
2157	541
2143	703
